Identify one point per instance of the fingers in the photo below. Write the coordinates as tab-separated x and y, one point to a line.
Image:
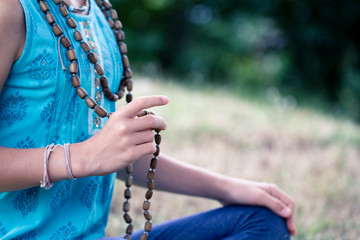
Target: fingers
133	108
148	122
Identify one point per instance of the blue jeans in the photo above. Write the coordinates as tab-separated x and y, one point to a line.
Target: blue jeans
227	223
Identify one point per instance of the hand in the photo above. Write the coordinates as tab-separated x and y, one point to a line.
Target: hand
123	139
261	194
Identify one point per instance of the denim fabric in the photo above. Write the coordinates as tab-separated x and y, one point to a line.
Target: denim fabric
227	223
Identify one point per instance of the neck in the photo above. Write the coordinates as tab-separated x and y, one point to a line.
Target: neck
77	3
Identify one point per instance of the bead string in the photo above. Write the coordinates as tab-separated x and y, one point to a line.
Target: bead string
126	82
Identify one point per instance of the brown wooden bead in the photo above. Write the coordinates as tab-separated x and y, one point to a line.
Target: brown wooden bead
107	5
113	14
120	36
148	194
65	42
110	22
44	7
129	97
129	169
114	97
57	30
77	35
90	102
101	111
50	18
81	92
105	12
125	61
118	25
126	206
73	68
146	205
157	152
129	85
127	74
129	181
151	175
130	229
127	218
99	69
107	91
151	184
85	47
104	82
157	139
71	22
144	236
127	193
153	163
148	226
92	57
64	11
120	94
128	237
99	3
57	2
147	215
75	80
122	47
71	54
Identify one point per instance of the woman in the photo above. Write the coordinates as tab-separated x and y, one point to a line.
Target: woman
59	72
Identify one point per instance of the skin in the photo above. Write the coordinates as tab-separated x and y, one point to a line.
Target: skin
123	140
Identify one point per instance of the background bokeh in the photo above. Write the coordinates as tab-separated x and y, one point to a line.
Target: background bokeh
266	90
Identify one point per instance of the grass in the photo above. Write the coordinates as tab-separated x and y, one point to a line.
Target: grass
313	157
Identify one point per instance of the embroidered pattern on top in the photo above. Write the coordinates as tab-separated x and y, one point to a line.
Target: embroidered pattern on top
26	201
13	109
43	67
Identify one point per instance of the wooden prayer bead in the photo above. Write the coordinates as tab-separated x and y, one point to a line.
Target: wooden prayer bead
101	111
92	57
65	42
129	97
99	3
129	169
90	102
129	85
148	194
118	25
81	92
125	61
123	48
157	139
105	12
120	36
129	181
71	22
127	218
104	82
127	194
114	97
113	14
120	94
99	69
57	30
107	5
151	175
57	2
75	80
151	184
127	74
148	226
73	68
77	35
85	47
157	152
144	237
64	11
127	237
130	229
50	18
71	54
110	22
147	215
126	206
153	163
146	205
43	6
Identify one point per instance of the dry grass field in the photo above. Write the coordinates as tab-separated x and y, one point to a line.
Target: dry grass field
313	157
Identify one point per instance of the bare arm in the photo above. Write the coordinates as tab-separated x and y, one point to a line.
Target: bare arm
178	177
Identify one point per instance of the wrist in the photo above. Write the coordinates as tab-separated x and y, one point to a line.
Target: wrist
79	164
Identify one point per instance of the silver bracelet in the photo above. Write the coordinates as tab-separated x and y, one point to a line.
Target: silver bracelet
68	161
46	182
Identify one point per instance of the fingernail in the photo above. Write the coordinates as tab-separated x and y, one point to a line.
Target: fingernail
285	211
165	99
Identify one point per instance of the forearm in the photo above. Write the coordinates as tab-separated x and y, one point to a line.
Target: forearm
24	168
179	177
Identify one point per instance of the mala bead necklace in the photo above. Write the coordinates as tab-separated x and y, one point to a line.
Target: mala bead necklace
125	83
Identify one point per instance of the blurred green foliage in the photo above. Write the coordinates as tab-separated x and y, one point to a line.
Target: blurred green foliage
304	48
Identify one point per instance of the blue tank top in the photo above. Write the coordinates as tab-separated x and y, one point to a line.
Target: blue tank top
39	106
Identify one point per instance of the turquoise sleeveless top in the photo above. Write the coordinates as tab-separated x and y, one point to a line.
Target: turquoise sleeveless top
39	106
